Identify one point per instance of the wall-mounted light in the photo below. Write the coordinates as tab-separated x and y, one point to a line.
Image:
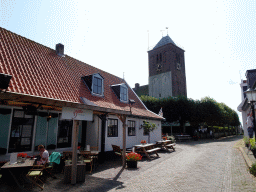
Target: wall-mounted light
131	102
49	116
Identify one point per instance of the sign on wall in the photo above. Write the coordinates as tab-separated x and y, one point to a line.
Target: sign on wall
77	114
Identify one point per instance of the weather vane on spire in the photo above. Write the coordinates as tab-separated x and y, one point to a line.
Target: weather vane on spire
167	30
162	32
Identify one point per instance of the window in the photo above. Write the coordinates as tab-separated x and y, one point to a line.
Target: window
131	128
112	128
177	58
21	131
97	85
123	94
64	133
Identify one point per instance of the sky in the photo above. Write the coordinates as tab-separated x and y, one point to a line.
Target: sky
217	36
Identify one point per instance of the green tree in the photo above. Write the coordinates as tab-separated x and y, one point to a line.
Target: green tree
182	109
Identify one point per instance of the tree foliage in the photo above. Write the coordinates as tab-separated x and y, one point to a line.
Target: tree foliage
183	109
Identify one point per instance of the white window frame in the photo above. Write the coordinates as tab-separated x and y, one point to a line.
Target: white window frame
94	78
126	88
131	127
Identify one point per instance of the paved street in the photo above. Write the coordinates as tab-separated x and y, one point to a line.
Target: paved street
209	166
195	166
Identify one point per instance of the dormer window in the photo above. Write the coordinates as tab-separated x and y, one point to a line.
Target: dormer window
97	86
124	93
121	92
95	83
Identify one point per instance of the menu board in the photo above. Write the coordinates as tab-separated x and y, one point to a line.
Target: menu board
18	113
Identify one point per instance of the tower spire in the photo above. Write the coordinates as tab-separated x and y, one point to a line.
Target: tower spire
167	30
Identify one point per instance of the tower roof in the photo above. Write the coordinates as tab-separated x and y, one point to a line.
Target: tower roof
165	40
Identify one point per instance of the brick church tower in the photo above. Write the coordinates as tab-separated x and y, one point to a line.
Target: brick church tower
167	75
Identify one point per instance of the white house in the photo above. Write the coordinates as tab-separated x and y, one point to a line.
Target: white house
49	93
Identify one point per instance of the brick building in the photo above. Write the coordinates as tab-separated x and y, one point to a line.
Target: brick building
167	75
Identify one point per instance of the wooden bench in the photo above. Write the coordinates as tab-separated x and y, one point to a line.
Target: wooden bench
171	145
147	149
153	150
183	137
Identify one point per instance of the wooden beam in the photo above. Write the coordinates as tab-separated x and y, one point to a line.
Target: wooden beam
74	151
11	96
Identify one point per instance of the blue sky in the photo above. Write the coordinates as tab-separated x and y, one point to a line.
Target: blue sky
218	37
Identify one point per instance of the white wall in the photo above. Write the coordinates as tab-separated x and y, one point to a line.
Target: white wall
244	117
93	132
132	140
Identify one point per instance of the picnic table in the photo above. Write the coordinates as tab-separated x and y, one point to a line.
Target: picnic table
183	137
18	169
166	144
147	149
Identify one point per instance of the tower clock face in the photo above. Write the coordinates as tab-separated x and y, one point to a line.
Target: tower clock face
159	67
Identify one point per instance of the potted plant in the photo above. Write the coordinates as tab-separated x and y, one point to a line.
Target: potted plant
21	157
143	142
148	127
172	138
132	159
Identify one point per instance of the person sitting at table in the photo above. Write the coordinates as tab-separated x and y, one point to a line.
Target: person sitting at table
44	155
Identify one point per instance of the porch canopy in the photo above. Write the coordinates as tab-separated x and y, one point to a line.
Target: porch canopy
17	99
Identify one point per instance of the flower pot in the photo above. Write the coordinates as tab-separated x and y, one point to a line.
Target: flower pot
132	164
19	159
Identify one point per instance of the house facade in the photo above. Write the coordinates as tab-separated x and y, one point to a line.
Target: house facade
49	92
244	106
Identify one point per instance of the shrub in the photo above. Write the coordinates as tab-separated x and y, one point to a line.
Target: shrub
253	169
246	140
252	142
172	138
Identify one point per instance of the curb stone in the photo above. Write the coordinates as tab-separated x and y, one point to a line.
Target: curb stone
246	158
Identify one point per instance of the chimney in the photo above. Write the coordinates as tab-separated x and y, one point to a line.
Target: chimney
60	49
137	85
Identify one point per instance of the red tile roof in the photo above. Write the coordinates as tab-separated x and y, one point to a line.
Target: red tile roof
38	71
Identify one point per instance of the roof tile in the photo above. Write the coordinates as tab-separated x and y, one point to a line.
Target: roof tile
37	70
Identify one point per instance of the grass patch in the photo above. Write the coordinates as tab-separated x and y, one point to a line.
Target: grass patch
239	143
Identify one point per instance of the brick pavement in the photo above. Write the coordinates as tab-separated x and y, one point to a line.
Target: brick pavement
205	165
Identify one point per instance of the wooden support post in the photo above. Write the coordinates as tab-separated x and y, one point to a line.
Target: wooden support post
74	151
124	142
123	119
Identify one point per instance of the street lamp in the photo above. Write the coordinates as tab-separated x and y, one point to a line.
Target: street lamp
251	96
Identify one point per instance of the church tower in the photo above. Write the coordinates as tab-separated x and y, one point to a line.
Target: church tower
167	75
